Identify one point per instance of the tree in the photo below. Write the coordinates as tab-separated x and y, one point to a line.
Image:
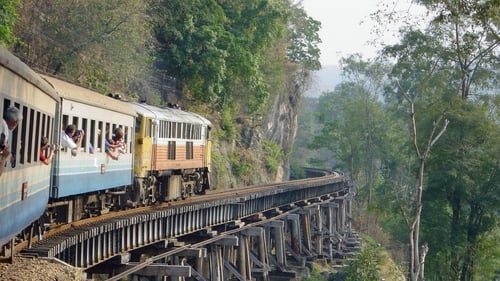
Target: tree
468	34
100	44
464	180
417	75
353	122
471	30
8	17
212	47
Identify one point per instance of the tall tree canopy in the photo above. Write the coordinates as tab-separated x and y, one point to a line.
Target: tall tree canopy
216	49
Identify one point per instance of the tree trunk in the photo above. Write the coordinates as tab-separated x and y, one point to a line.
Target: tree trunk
416	257
454	271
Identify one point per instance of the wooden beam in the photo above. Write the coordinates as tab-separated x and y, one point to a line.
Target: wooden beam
160	269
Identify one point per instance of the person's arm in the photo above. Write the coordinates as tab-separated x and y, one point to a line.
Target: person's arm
112	155
47	160
5	157
78	143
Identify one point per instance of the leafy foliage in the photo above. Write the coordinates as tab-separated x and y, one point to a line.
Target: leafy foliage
273	155
364	266
100	44
8	17
208	44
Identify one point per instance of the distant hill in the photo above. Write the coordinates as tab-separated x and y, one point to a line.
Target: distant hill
324	80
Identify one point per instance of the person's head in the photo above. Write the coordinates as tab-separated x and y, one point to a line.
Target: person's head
44	142
12	117
70	130
117	134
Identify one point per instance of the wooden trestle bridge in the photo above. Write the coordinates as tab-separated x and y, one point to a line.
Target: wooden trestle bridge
256	233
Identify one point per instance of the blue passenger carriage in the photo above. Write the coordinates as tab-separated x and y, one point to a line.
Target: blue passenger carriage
90	182
25	181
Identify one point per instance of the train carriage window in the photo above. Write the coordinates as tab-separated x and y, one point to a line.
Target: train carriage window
15	141
171	150
29	144
107	132
189	150
197	132
65	122
85	137
48	127
100	138
126	139
91	133
174	130
76	123
36	140
22	150
44	129
148	128
138	122
179	130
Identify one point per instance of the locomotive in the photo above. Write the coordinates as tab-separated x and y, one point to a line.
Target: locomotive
166	153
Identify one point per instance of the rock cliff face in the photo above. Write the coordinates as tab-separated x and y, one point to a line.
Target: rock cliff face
281	127
260	153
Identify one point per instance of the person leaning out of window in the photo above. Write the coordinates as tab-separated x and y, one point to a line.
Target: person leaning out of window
11	117
72	139
43	147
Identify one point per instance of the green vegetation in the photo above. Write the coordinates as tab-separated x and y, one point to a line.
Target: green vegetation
417	130
242	166
8	17
273	155
364	266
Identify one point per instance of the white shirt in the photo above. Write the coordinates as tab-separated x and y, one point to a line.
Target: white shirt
67	141
4	129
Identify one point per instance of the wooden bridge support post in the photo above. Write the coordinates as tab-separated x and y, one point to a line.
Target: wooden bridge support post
216	270
305	216
342	216
275	231
295	233
244	258
258	264
329	210
318	241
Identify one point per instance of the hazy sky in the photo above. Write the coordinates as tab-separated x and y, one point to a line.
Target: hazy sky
346	26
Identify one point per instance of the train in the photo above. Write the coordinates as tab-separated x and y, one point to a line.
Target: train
166	152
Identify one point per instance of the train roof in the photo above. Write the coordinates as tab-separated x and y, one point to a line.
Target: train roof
80	94
14	64
169	114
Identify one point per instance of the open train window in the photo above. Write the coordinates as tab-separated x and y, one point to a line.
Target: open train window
126	139
36	139
99	136
138	122
171	150
189	150
29	144
23	129
91	134
84	127
65	122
